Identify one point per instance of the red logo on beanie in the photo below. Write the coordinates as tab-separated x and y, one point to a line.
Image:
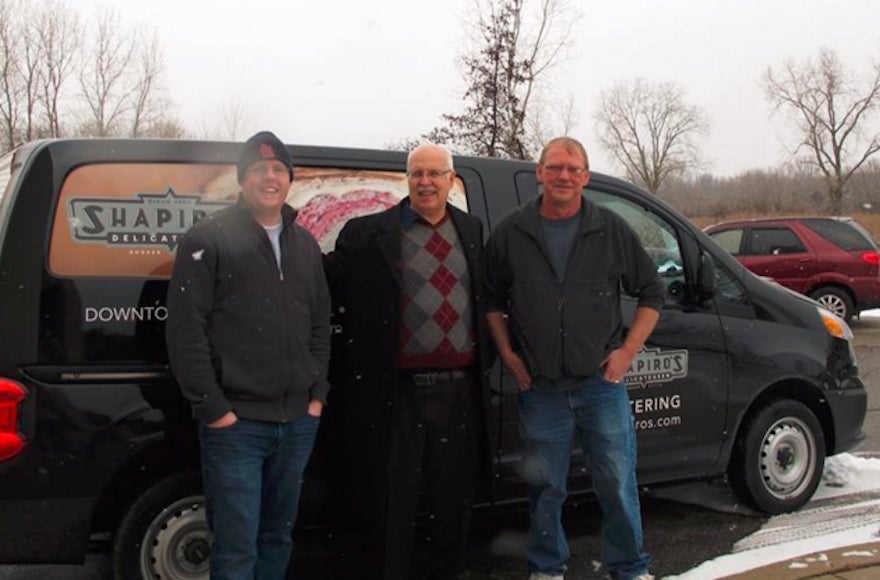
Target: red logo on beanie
266	151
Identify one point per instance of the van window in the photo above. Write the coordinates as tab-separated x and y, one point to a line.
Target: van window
728	288
656	234
5	182
5	173
125	220
527	187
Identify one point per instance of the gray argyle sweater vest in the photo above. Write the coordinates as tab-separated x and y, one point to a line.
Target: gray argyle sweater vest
436	328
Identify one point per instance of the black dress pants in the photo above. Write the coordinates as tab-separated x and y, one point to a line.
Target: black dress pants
433	450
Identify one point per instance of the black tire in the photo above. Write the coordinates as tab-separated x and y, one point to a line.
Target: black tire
836	300
165	534
778	457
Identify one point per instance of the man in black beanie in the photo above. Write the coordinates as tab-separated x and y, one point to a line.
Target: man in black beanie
248	335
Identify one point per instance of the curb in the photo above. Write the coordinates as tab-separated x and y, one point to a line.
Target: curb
836	563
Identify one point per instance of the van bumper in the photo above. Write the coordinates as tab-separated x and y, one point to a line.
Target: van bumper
848	407
44	531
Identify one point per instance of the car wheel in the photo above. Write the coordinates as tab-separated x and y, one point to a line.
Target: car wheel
836	300
165	533
778	457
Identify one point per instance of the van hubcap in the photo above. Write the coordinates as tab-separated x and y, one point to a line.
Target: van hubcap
788	457
178	542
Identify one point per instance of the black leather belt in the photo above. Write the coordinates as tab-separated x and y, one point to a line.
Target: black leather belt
427	379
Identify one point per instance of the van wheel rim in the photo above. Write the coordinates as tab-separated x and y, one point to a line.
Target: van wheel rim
177	542
788	457
833	303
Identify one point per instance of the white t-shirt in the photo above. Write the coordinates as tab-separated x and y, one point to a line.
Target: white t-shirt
274	233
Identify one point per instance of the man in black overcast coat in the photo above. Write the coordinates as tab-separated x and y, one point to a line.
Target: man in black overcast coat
408	379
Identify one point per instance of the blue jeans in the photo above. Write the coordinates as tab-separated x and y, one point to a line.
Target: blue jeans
598	413
252	474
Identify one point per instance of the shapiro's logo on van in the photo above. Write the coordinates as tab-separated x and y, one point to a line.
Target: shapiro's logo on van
652	366
152	219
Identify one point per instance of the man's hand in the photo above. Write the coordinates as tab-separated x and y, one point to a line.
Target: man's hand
514	363
226	420
617	363
518	370
316	407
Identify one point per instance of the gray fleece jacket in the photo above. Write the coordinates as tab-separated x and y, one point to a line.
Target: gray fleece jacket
565	327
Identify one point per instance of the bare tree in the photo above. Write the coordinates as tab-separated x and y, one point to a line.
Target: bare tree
9	79
234	119
21	58
832	111
146	102
233	123
58	30
650	130
119	75
104	79
516	43
552	120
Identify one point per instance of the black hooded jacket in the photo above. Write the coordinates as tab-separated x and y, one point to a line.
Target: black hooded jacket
244	335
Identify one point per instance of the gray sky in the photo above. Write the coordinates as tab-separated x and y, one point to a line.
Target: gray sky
357	73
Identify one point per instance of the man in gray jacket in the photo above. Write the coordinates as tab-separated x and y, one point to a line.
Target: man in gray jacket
248	335
555	269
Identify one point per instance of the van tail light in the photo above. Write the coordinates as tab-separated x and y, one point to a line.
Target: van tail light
11	440
872	258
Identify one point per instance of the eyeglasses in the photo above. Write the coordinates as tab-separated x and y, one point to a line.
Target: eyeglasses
558	169
432	174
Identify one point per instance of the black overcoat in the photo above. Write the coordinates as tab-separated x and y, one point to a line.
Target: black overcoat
365	280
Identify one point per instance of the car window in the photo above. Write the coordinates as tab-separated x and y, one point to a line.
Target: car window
656	234
844	235
730	240
774	242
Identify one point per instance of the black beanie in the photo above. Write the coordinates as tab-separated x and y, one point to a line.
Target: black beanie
263	145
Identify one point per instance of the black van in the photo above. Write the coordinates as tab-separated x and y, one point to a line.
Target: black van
741	378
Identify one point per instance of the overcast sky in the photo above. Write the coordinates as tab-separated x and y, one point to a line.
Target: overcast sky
358	73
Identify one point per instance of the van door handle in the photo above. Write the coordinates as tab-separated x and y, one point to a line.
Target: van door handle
99	373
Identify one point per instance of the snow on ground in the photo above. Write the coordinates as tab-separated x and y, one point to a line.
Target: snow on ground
827	522
847	474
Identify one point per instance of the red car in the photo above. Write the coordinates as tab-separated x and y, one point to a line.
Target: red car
833	260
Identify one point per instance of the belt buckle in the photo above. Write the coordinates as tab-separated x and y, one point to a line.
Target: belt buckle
424	379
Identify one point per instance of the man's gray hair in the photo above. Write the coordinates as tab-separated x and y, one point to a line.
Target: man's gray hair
429	144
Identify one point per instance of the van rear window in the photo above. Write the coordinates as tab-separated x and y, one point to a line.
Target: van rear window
5	180
126	219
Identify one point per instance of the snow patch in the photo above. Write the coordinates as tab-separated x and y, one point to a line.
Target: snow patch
845	474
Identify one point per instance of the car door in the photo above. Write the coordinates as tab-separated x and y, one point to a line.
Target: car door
777	252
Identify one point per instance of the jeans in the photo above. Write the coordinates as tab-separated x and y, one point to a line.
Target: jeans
252	474
598	412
